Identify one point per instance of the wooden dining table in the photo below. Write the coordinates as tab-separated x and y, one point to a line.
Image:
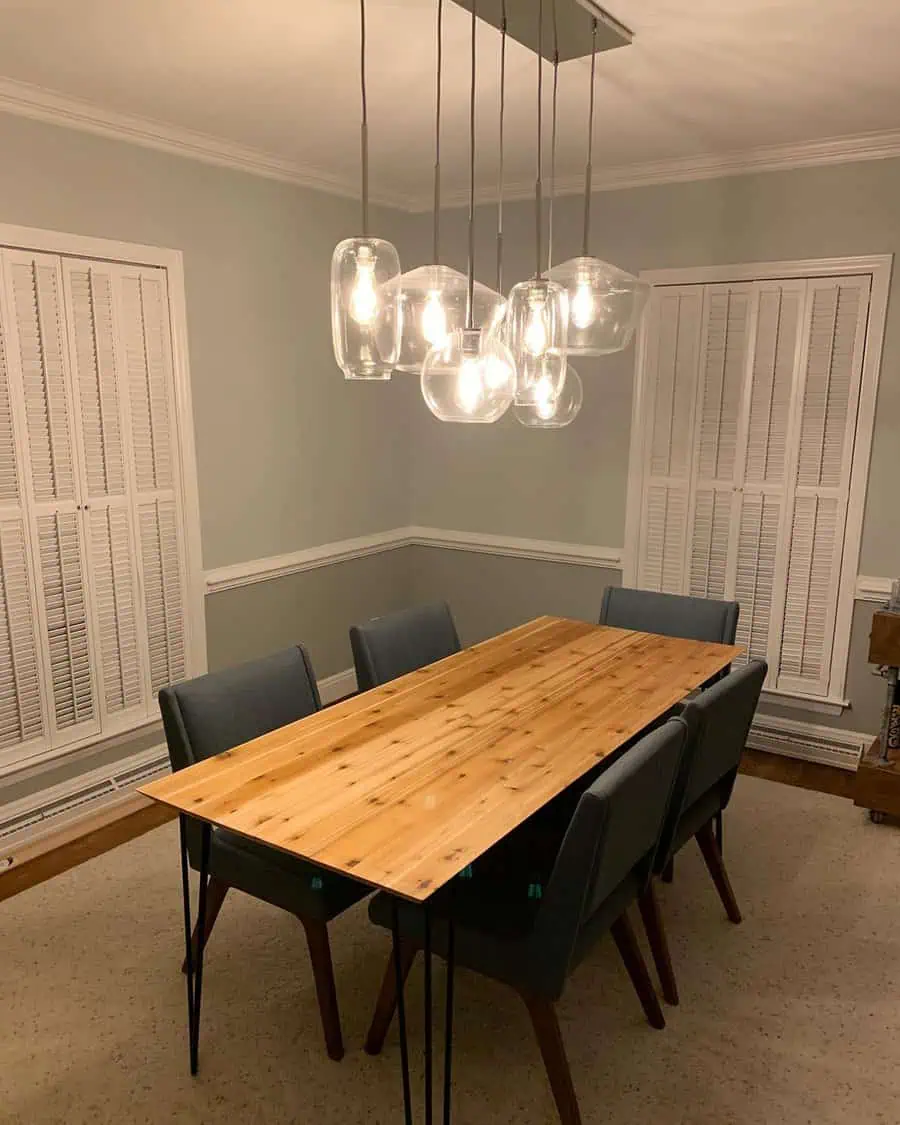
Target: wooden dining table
404	786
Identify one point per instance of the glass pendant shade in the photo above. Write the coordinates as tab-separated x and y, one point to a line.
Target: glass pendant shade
470	379
549	413
432	306
365	314
536	332
605	305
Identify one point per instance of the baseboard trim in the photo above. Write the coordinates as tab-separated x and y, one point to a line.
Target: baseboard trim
810	742
338	686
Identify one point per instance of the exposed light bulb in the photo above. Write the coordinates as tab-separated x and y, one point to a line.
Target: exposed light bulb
544	400
364	298
470	385
497	373
584	311
536	330
434	320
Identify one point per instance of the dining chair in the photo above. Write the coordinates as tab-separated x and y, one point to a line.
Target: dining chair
718	722
390	646
213	713
673	615
534	942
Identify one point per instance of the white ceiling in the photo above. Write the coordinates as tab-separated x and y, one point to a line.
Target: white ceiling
703	81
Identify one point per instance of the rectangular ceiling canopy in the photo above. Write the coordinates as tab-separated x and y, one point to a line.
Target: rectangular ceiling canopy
573	21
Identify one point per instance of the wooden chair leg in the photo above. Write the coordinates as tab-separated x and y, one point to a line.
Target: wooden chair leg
553	1052
386	1004
668	874
323	974
659	945
216	891
716	867
637	970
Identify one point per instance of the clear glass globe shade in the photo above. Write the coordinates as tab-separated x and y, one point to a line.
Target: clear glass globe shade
433	304
536	331
605	305
470	379
552	413
365	314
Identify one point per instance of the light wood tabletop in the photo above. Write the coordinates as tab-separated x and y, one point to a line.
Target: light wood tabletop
403	786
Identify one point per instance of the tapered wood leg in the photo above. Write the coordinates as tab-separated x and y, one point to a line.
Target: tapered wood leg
716	867
637	970
216	891
659	946
553	1052
668	874
387	999
323	974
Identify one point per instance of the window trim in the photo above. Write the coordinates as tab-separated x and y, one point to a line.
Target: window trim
15	237
879	267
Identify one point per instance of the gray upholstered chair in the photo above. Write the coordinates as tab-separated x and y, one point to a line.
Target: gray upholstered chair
673	615
401	642
203	717
718	722
533	942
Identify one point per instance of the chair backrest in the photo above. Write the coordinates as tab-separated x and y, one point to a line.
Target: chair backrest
401	642
673	615
614	834
718	722
212	713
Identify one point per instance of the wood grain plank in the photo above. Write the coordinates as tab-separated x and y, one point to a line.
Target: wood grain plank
405	785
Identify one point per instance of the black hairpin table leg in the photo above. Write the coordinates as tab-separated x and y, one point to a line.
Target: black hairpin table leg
401	1015
194	971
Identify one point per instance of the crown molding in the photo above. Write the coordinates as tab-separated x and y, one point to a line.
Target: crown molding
769	158
40	104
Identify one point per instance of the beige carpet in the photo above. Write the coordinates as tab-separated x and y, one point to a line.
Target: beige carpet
793	1017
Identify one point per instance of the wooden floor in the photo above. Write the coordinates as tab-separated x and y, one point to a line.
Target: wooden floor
94	835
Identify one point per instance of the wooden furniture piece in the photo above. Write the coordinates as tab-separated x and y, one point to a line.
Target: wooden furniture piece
405	785
877	785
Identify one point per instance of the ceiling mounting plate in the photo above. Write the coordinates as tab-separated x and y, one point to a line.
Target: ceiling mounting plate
573	22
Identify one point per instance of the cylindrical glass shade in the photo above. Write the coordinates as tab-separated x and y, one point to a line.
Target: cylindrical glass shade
470	379
605	305
536	332
549	413
365	319
432	303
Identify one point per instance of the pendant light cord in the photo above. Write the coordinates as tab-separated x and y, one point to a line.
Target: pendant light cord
364	127
503	26
436	258
553	137
589	171
470	296
538	187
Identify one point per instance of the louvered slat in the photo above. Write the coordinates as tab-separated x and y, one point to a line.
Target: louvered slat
162	592
145	313
709	543
757	556
114	607
9	475
809	602
21	711
722	380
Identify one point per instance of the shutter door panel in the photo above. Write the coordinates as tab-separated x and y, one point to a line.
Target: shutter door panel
162	592
779	321
38	311
115	607
710	541
9	476
722	380
662	559
65	615
21	707
757	555
90	298
145	320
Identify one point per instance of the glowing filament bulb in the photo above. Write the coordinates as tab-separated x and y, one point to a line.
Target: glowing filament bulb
544	400
584	311
364	298
470	385
536	329
434	320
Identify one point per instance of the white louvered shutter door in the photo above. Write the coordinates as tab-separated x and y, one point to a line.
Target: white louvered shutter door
673	344
144	318
824	435
22	719
727	329
99	388
34	285
759	562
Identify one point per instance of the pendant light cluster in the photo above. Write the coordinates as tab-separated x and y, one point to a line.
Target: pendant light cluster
476	353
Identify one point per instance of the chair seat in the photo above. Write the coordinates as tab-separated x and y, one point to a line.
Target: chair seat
281	879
